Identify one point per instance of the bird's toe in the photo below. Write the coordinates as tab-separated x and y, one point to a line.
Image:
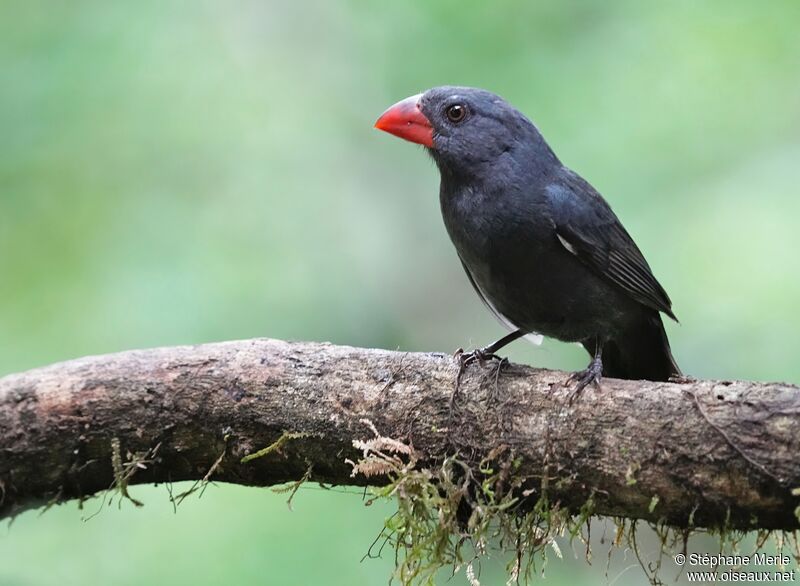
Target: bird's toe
592	375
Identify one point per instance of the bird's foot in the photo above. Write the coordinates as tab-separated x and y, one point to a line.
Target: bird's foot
682	379
479	355
592	374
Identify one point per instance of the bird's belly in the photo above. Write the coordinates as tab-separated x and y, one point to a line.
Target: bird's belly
549	293
527	275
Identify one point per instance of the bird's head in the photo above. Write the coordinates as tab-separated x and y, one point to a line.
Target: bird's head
467	130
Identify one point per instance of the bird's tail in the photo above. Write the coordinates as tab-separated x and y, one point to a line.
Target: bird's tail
643	352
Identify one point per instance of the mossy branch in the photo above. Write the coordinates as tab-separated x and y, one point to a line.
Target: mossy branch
697	454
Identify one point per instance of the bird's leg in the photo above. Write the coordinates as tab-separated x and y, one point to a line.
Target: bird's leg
480	355
592	374
487	352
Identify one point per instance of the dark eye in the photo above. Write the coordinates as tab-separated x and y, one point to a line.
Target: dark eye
456	113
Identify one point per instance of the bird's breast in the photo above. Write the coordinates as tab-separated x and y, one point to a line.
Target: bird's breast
483	225
511	251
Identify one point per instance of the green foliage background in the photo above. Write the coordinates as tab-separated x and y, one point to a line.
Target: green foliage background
180	172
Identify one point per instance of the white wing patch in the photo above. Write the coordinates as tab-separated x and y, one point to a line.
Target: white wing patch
566	244
534	338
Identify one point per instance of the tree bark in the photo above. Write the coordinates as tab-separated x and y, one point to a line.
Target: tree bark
699	453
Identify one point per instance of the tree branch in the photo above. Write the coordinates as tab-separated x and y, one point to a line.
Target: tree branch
702	453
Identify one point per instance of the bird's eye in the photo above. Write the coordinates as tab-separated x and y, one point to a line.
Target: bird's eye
456	113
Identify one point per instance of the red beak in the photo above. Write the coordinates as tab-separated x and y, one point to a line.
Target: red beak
406	120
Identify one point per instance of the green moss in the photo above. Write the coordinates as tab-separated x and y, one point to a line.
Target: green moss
124	469
293	487
274	446
653	503
200	485
457	513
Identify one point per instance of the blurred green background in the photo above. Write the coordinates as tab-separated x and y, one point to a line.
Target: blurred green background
177	172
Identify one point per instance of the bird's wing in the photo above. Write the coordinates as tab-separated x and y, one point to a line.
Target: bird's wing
532	337
588	228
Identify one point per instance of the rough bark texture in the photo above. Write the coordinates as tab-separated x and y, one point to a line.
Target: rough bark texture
711	452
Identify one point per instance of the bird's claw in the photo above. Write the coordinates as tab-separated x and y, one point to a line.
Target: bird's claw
591	375
479	355
682	379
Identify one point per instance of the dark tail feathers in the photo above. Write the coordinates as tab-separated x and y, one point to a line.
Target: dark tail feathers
643	352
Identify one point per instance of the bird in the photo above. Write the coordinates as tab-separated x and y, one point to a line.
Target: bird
541	247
